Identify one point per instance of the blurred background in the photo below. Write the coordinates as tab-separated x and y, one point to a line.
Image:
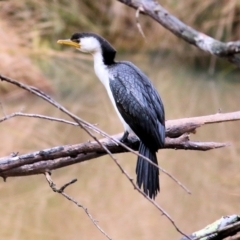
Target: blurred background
190	82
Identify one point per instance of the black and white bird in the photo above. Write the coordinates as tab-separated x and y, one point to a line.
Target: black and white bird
135	100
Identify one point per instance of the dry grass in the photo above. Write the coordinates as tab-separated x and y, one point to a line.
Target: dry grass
32	210
17	64
50	20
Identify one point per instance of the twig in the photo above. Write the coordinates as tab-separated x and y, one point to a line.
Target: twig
138	23
152	201
20	114
3	110
61	191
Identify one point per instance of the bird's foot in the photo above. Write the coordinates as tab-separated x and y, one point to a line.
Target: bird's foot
124	138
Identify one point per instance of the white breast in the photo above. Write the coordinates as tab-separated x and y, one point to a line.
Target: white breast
103	75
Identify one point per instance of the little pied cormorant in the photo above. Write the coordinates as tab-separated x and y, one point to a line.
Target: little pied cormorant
135	100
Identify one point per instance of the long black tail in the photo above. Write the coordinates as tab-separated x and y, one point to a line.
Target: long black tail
147	174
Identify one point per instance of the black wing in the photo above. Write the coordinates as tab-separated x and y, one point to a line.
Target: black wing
139	104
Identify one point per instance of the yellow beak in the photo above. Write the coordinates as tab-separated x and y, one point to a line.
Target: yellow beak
69	42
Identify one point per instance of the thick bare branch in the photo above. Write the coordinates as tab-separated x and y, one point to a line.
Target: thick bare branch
229	50
71	154
209	119
67	155
62	156
221	229
178	127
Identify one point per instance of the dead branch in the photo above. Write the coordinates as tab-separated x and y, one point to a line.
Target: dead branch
224	227
61	191
49	159
61	156
228	50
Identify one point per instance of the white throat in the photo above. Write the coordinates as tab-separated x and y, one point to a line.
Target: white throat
101	69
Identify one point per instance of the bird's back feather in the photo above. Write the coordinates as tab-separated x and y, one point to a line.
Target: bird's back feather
139	104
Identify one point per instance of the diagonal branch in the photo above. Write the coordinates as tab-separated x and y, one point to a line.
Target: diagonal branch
86	126
229	50
61	191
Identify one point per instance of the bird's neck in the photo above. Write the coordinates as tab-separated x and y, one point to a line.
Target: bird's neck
107	55
101	69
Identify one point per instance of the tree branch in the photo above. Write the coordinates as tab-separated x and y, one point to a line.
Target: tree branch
61	156
224	227
229	50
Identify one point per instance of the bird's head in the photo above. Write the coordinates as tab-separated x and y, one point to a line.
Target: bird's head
91	43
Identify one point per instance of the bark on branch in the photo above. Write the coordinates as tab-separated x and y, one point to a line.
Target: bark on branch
61	156
221	229
229	50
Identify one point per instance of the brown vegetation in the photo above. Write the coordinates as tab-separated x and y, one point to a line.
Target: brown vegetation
50	20
17	64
